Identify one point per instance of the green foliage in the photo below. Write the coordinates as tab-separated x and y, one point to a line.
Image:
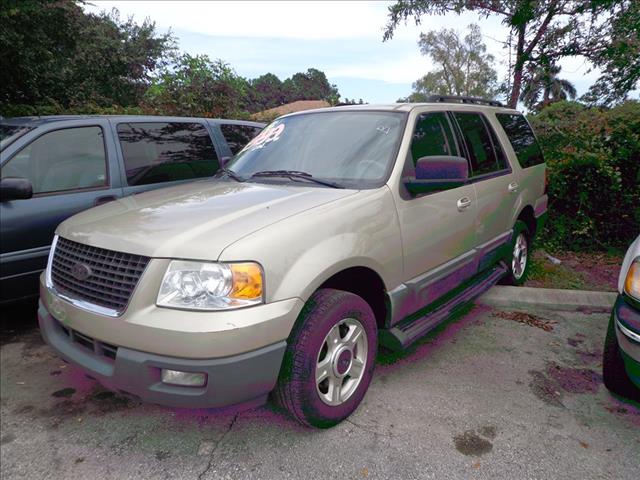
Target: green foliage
593	157
463	66
606	32
56	58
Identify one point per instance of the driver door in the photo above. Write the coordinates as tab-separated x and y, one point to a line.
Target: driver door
438	233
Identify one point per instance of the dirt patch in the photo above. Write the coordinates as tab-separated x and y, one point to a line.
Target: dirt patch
575	380
8	438
577	270
527	319
471	444
489	432
64	393
105	401
545	389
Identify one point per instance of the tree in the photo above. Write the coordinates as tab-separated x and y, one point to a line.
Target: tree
311	85
55	57
544	81
462	65
266	92
198	86
604	31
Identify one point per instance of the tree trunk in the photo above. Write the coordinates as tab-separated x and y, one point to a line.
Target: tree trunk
518	69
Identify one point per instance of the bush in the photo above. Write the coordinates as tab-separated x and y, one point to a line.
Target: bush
593	157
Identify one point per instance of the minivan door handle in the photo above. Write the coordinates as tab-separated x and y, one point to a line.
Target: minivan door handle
463	203
104	199
513	187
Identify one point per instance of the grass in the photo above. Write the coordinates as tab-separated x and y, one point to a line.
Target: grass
545	274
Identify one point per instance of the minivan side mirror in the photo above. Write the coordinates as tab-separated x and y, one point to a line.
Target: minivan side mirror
15	188
438	172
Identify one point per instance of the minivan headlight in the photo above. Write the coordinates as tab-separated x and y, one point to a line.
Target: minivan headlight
211	286
632	280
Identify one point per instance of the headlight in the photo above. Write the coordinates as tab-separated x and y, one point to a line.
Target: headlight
632	281
211	286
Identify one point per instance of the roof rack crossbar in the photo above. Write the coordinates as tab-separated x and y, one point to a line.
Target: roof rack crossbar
463	99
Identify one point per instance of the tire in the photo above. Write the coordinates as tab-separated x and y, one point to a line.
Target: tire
329	317
517	273
614	374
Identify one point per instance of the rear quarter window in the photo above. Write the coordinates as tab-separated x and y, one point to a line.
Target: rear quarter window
237	136
522	139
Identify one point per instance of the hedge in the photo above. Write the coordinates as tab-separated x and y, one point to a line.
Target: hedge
593	159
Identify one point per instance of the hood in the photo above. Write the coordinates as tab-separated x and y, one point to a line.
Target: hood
194	220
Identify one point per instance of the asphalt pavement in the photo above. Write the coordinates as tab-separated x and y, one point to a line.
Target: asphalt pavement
498	393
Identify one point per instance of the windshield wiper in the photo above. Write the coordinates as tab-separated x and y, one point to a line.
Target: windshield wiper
295	174
232	174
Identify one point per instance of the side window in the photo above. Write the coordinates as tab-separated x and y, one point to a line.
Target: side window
237	136
432	136
157	152
486	155
522	139
68	159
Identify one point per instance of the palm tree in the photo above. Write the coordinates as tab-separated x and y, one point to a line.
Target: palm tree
544	82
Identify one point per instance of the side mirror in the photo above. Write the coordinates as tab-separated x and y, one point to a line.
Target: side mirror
15	188
440	172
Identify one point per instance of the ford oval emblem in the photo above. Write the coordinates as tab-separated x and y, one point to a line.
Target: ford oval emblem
80	271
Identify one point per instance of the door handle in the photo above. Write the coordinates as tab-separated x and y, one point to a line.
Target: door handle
463	203
513	187
104	199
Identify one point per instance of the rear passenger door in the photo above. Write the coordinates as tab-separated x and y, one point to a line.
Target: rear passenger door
495	183
157	154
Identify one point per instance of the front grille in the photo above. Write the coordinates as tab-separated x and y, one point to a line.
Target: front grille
112	279
99	348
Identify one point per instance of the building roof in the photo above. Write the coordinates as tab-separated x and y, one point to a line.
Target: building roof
297	106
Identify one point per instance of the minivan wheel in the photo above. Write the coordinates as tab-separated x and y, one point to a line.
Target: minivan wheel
518	262
614	374
329	360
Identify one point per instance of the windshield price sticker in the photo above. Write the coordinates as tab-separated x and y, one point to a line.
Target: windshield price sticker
270	134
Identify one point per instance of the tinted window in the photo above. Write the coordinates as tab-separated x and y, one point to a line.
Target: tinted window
68	159
237	136
522	139
480	143
432	136
165	152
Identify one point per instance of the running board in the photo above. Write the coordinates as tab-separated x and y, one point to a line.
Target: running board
406	332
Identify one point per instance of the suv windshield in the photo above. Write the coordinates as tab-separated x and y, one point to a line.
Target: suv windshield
9	133
353	149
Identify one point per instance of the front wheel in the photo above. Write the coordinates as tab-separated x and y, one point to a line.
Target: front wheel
518	262
329	360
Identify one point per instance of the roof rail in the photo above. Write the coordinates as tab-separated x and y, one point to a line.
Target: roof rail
462	99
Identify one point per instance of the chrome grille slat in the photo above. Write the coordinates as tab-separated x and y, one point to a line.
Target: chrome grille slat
114	275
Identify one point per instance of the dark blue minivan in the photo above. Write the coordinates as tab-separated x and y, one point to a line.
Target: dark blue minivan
53	167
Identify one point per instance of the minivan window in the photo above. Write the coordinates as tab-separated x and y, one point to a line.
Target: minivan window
481	143
352	148
68	159
522	139
237	136
157	152
432	136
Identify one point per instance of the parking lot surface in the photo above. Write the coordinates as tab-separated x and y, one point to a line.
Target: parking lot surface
492	394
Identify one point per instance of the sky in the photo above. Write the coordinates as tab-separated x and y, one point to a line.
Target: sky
343	39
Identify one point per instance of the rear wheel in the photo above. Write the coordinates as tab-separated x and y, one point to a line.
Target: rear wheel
330	358
518	262
614	374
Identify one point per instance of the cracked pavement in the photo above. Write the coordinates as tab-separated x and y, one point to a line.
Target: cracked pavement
486	395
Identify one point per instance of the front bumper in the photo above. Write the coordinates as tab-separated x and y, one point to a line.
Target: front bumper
239	379
627	321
